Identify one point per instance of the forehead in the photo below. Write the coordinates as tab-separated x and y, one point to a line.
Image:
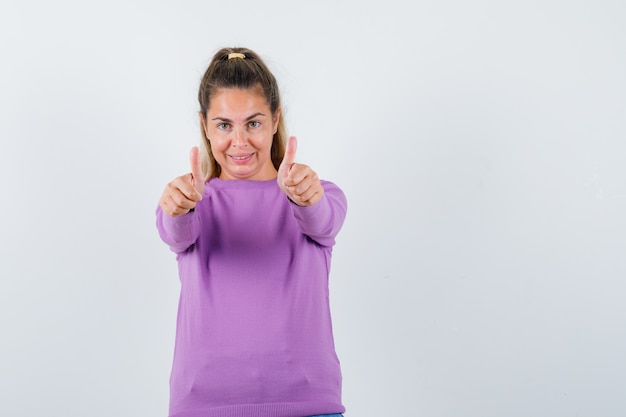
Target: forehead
237	99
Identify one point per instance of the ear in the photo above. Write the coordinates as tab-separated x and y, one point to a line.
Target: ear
275	119
203	124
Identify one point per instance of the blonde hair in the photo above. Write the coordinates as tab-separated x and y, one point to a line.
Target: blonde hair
229	70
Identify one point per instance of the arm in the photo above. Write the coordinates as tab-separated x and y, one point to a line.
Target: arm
179	232
322	221
177	222
318	206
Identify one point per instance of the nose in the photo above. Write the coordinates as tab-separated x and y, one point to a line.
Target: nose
239	138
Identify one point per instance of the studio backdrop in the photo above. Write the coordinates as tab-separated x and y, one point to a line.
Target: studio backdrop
481	145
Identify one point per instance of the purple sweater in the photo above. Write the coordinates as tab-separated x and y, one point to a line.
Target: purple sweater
254	334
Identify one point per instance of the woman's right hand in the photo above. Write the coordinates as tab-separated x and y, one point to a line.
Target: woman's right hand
182	193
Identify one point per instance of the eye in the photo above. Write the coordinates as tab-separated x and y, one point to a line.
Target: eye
254	124
223	126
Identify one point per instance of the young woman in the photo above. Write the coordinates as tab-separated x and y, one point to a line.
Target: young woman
253	233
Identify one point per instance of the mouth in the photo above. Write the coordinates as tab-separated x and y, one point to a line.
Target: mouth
241	158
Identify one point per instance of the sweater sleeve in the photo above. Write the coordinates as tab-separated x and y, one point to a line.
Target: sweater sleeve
179	233
323	220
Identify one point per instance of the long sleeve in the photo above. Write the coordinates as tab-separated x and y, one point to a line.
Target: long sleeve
179	233
254	330
323	220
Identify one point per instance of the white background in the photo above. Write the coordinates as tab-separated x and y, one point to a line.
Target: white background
481	144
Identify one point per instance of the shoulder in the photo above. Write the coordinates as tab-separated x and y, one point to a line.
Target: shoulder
331	187
334	194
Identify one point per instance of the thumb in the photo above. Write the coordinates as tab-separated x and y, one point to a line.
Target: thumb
290	156
196	169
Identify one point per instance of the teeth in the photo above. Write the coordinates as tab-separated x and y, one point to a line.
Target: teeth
240	157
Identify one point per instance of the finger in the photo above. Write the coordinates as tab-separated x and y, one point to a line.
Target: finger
309	197
299	174
303	185
290	155
305	190
298	184
174	208
182	187
185	198
196	169
290	151
178	207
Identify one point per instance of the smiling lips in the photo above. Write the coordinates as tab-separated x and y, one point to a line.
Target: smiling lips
241	158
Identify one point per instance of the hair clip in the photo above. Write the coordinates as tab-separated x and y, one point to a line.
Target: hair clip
236	55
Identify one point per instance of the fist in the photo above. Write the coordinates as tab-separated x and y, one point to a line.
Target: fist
182	193
299	182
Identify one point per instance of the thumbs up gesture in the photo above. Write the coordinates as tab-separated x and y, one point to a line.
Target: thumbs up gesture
182	193
299	182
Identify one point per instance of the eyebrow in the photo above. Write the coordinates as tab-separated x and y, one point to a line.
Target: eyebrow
224	119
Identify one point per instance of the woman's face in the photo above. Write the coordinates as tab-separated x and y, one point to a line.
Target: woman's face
240	127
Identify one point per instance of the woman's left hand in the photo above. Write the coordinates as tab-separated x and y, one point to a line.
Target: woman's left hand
299	182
